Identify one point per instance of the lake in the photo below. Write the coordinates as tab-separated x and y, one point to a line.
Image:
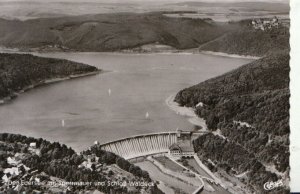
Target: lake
128	98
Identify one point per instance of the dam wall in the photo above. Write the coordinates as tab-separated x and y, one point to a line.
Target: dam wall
142	145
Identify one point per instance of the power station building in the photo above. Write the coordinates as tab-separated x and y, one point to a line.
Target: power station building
181	150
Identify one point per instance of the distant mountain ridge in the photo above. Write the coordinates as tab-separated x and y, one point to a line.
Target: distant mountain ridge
108	32
257	5
120	31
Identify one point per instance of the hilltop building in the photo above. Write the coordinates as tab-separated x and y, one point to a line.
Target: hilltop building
265	24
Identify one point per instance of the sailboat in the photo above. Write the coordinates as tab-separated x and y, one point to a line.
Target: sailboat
109	91
62	122
147	115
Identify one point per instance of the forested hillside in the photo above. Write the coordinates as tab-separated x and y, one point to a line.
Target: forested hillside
52	162
108	32
250	106
21	71
236	160
249	41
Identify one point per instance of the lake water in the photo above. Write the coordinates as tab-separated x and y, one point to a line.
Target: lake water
113	104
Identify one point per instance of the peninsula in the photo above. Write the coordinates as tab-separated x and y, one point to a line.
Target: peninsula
21	72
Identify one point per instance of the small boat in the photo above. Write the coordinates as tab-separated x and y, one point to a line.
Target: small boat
63	123
109	91
147	115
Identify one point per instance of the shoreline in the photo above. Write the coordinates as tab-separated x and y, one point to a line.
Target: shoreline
43	83
222	54
163	52
186	112
189	51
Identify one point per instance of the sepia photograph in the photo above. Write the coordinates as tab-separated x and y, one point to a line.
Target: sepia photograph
145	97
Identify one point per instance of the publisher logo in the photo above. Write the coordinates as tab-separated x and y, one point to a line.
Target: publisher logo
272	185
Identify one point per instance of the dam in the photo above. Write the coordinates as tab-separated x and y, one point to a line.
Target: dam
160	143
148	144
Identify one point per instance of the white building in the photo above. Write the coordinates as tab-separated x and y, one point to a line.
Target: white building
32	145
5	178
181	150
14	171
13	161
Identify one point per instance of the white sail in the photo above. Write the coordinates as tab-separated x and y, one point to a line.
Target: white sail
147	115
109	91
63	123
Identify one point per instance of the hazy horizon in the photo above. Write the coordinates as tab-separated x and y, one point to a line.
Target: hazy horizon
30	9
146	1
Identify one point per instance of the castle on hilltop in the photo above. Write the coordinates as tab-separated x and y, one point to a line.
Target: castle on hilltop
266	23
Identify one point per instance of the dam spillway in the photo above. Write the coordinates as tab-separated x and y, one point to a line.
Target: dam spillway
141	145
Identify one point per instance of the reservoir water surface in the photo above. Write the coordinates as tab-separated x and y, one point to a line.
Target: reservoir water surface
128	98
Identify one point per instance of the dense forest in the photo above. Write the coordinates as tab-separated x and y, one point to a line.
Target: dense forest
18	71
250	106
235	159
109	32
62	162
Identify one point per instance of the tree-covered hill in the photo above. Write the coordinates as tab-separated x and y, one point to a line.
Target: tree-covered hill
20	71
249	41
250	106
108	32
